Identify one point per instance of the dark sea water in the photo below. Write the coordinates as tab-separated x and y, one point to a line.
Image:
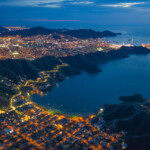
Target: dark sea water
139	33
85	93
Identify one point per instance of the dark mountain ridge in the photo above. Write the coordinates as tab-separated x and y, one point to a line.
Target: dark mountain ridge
131	115
2	29
12	68
81	33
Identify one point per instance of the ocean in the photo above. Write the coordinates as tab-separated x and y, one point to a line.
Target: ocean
133	34
86	93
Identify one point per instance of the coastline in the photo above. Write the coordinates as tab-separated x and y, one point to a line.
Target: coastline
76	64
59	72
30	112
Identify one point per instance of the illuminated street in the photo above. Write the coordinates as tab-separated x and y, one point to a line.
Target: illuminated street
27	126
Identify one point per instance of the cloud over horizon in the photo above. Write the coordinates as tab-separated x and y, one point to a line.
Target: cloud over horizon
82	2
124	5
44	3
60	3
74	12
33	3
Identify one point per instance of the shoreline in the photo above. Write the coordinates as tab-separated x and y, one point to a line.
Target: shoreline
58	73
30	112
76	64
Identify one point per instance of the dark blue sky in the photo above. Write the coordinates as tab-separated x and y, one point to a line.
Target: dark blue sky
74	13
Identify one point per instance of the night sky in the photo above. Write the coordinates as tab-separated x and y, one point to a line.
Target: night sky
74	13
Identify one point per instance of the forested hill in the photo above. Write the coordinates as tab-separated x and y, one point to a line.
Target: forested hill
81	33
12	68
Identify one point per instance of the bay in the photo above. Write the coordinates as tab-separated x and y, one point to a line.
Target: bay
86	93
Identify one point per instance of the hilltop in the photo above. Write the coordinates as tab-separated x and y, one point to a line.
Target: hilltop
80	33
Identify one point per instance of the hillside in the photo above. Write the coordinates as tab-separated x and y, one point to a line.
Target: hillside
12	68
86	33
132	116
81	33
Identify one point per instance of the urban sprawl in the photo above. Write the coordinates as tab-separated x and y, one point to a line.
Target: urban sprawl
17	47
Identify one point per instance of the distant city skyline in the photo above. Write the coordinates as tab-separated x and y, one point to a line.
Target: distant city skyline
73	13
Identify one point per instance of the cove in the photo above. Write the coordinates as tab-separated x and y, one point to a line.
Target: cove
86	93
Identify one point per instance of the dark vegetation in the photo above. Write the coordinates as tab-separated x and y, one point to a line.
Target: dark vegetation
131	117
90	62
5	93
81	33
13	68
